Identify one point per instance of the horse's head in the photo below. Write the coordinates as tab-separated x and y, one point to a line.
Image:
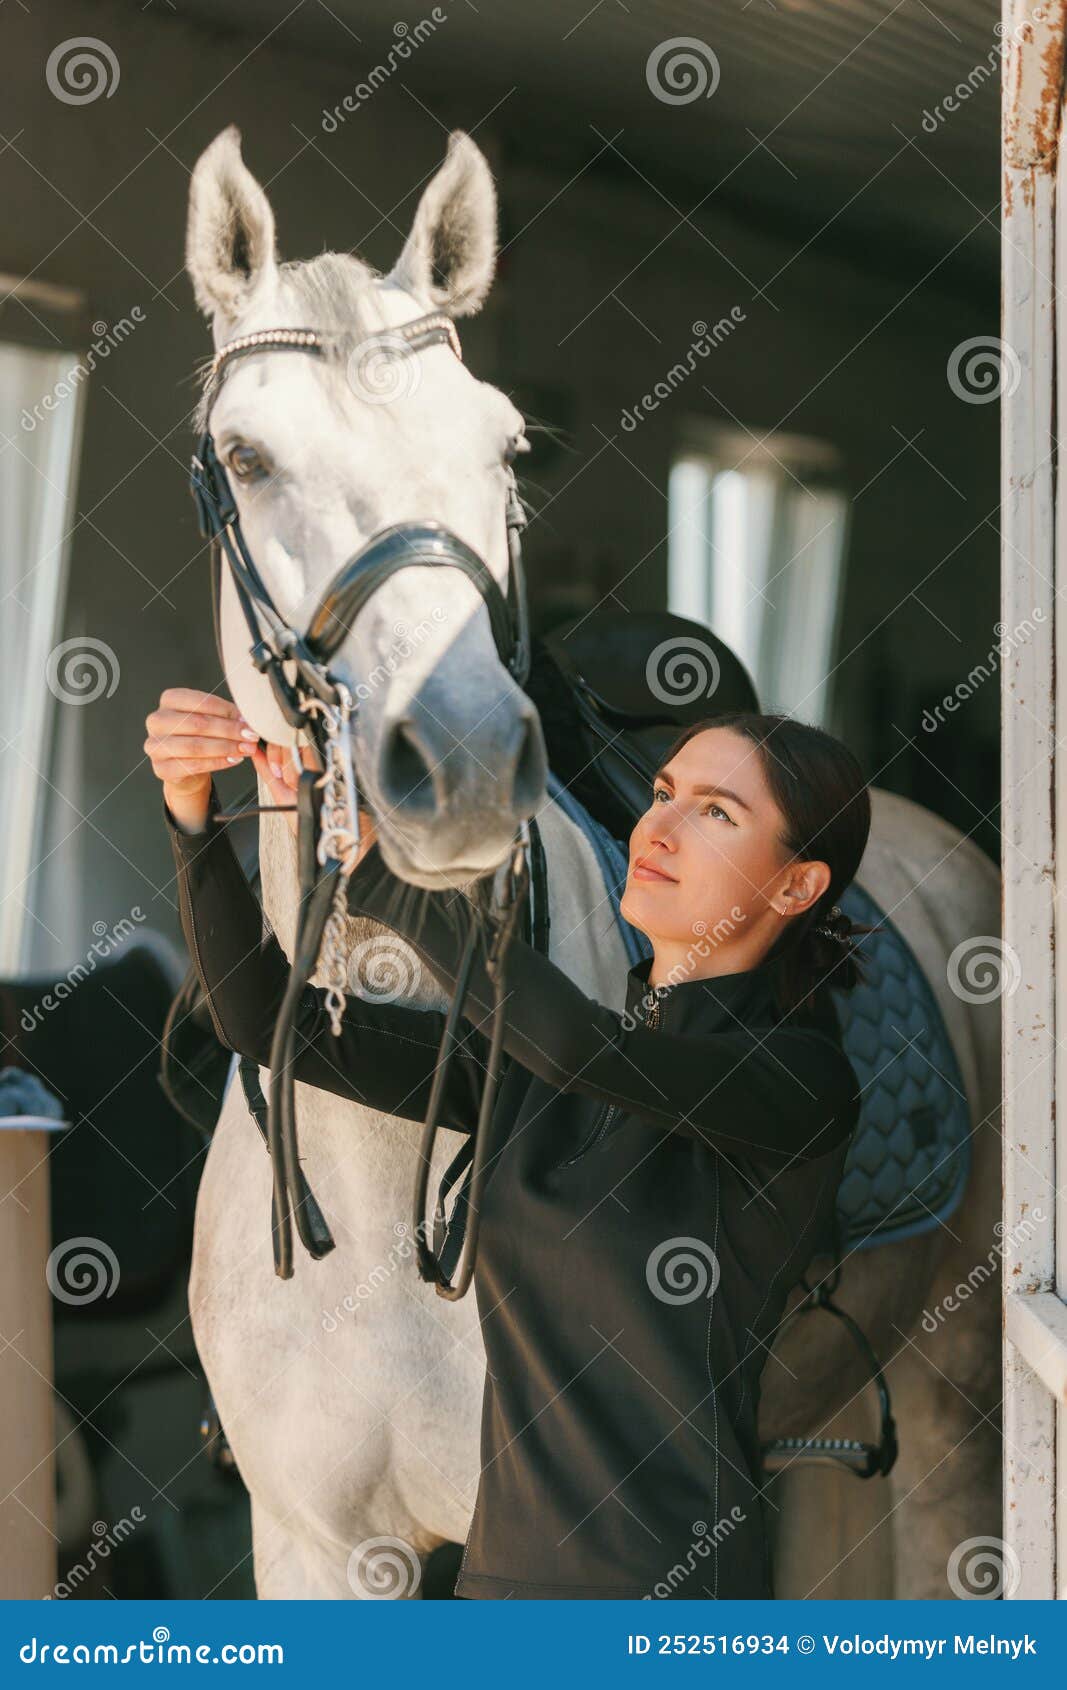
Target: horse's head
323	452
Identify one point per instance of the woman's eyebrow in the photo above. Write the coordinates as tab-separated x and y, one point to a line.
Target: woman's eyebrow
705	791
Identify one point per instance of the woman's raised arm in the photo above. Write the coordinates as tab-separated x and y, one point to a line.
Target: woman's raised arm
783	1094
386	1054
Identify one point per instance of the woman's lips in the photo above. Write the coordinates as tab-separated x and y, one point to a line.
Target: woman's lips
643	871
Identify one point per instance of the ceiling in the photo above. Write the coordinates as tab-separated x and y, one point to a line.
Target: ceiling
826	116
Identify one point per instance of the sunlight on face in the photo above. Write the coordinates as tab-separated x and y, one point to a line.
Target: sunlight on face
707	856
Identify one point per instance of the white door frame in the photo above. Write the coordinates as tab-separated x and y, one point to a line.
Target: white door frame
1034	803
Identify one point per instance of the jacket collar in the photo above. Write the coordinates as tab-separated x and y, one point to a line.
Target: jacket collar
692	1004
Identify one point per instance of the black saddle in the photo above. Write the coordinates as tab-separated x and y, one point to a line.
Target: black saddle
614	688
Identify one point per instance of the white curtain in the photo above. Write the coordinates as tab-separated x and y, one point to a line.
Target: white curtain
39	441
756	552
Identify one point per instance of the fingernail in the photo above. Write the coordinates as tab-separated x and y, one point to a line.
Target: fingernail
276	770
233	759
248	733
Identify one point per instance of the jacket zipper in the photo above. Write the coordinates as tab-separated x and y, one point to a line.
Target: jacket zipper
610	1110
607	1111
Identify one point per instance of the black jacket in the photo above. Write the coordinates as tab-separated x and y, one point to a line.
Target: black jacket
655	1190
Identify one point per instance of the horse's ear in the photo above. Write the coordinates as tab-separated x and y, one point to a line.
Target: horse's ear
450	255
229	240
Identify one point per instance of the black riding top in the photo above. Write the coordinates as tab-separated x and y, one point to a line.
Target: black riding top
659	1180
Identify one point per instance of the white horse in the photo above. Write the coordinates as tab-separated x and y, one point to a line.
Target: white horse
350	1394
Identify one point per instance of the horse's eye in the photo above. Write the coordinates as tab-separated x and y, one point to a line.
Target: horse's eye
245	462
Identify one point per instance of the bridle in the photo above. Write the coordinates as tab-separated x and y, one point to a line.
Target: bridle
315	700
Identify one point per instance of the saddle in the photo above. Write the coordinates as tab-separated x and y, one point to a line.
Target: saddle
614	688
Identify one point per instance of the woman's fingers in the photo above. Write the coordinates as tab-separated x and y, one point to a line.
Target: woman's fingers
280	761
174	723
196	729
196	745
277	788
191	698
172	770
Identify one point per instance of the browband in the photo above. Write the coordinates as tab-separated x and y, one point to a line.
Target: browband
436	327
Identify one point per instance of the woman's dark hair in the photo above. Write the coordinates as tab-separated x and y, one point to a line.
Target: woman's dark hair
819	788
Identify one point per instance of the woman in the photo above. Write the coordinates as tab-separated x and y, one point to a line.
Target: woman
660	1177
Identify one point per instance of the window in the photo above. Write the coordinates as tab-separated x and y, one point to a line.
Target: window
756	552
40	425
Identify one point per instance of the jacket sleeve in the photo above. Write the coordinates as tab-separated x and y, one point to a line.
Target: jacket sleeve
787	1093
386	1053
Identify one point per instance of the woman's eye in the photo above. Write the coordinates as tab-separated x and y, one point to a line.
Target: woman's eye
245	462
711	810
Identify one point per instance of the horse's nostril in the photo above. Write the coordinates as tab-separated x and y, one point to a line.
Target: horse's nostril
405	776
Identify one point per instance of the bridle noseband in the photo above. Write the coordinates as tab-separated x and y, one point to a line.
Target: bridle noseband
312	698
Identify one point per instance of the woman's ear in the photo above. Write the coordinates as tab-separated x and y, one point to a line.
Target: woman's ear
804	886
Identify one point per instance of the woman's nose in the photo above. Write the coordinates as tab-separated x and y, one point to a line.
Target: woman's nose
662	825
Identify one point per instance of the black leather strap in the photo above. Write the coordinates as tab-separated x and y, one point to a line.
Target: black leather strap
400	546
859	1457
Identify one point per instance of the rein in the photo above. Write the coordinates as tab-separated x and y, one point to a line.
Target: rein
317	702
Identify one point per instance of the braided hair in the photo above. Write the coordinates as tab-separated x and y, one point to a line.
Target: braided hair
819	788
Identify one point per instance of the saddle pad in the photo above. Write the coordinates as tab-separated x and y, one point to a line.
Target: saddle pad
909	1161
910	1156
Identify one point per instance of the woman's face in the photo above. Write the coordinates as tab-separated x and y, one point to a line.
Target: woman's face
713	832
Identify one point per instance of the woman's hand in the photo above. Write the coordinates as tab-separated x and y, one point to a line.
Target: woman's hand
189	738
281	778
